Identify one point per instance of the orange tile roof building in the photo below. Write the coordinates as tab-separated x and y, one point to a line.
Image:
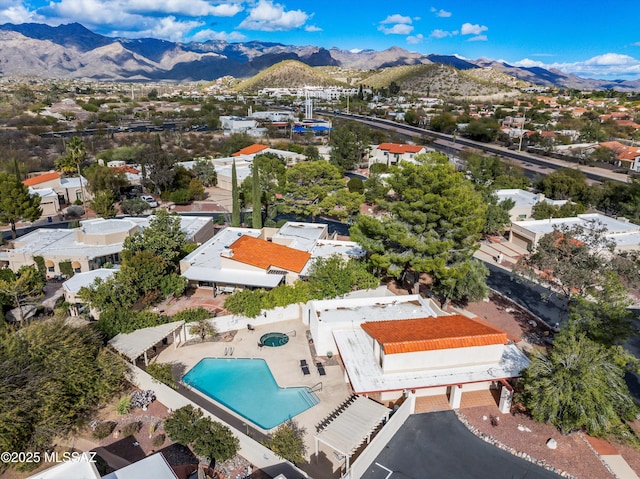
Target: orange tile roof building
392	153
390	345
266	256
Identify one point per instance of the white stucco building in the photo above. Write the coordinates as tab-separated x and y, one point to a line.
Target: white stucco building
393	344
524	202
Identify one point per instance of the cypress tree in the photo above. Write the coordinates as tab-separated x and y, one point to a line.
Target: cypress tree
235	197
255	201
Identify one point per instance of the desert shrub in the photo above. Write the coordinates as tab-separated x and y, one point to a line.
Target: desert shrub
131	429
124	405
103	429
158	440
163	374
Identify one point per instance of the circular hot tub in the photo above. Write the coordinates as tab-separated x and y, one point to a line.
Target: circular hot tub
274	340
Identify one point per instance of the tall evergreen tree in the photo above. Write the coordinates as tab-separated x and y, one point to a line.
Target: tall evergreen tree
235	197
16	203
257	204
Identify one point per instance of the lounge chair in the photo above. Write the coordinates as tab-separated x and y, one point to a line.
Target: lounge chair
260	345
250	327
303	362
305	370
320	369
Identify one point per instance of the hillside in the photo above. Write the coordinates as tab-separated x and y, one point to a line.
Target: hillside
444	81
289	73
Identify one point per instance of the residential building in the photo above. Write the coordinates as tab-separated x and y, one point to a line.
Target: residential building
389	345
524	201
73	285
393	153
238	258
625	235
68	189
95	243
251	151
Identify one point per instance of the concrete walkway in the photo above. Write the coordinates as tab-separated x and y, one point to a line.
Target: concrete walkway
609	455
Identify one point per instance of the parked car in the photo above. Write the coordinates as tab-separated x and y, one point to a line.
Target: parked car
150	200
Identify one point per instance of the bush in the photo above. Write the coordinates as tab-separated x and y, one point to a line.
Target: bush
103	429
158	440
131	429
124	405
378	168
163	374
355	185
180	197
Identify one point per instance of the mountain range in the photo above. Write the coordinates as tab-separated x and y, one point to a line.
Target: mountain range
74	52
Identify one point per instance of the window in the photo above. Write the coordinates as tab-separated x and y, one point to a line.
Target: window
51	269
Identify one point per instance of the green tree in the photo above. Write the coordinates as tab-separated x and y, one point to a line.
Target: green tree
467	282
497	215
287	441
16	204
578	385
236	142
180	197
235	197
256	217
162	373
333	276
544	210
355	185
484	129
134	206
309	183
433	220
565	184
374	188
23	289
205	171
444	123
271	174
102	178
572	259
157	166
207	438
349	144
605	317
163	237
196	190
53	376
340	204
104	205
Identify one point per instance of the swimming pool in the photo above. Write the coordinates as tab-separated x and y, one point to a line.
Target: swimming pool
274	340
247	387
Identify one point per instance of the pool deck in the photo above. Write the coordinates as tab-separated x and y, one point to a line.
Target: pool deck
284	363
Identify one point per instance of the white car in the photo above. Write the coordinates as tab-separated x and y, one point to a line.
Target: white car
150	200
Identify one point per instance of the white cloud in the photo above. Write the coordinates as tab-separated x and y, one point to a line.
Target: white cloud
440	13
396	25
312	28
397	29
167	28
17	14
636	44
193	8
397	18
608	65
442	33
478	38
415	39
205	35
472	29
269	17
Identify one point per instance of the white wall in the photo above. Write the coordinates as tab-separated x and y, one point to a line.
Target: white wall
442	358
375	447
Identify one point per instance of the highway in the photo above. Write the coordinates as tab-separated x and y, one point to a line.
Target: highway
453	145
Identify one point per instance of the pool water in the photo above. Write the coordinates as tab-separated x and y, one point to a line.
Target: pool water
274	339
247	387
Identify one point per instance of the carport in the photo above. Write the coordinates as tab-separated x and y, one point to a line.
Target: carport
353	426
136	344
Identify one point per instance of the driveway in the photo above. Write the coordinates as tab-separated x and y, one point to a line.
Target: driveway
437	445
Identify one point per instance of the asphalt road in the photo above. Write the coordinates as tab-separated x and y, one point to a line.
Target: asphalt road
437	445
551	309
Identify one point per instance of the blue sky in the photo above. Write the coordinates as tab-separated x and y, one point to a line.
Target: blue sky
592	39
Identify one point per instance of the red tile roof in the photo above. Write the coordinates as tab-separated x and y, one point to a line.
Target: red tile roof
263	254
36	180
251	150
428	334
399	148
126	169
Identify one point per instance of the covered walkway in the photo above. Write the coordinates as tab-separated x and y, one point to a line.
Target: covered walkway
346	433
